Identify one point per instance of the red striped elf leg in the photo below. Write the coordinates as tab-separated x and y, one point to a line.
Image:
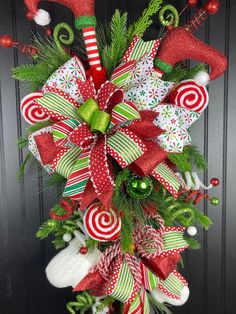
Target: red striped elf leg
90	40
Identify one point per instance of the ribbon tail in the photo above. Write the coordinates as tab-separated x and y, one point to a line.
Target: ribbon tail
149	160
167	178
79	177
140	305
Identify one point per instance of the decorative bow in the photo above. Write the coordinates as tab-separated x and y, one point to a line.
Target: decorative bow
126	277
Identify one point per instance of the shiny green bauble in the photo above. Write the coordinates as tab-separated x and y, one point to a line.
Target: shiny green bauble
215	201
139	187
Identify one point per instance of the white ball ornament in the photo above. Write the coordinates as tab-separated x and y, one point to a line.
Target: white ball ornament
192	231
42	18
202	78
67	237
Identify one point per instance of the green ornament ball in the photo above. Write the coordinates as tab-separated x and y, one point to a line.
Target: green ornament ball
215	201
139	187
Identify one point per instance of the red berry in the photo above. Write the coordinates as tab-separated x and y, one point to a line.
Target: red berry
215	181
192	3
212	6
6	41
83	250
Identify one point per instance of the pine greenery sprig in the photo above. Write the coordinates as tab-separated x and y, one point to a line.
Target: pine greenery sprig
112	54
142	24
188	158
32	73
38	126
180	73
21	170
47	60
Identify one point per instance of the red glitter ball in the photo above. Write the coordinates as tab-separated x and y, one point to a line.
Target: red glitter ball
215	181
192	3
212	6
83	250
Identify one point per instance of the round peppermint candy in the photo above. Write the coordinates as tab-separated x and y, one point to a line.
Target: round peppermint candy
30	109
190	96
102	224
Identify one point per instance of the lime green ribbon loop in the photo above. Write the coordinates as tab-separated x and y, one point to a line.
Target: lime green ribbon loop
98	120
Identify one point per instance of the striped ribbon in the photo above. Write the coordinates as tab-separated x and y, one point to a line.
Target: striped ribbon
173	285
137	49
173	241
141	304
89	35
167	178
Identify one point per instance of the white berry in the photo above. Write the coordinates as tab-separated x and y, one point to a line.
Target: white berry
67	237
192	231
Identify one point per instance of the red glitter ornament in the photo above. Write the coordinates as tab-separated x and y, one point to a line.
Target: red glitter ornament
192	3
215	181
212	6
83	250
7	41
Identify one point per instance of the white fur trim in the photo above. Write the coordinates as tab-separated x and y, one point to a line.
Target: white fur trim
42	18
202	78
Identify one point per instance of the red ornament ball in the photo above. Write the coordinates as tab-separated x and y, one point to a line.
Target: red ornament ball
212	6
6	41
215	181
192	3
83	250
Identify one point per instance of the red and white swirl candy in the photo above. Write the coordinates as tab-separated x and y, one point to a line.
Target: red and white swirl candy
191	96
102	224
30	109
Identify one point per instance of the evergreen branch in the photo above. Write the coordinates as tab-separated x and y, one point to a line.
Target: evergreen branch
38	126
47	228
112	54
196	157
190	156
49	53
55	179
22	142
21	170
145	21
193	244
33	73
179	73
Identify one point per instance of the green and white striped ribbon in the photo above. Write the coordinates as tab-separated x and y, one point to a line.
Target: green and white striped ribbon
122	283
79	177
62	129
173	285
56	105
150	281
167	178
140	304
173	240
65	161
125	147
122	115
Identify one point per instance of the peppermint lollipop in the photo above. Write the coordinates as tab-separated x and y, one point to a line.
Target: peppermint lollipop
30	109
190	96
102	224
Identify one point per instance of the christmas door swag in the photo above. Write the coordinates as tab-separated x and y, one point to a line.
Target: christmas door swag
109	120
